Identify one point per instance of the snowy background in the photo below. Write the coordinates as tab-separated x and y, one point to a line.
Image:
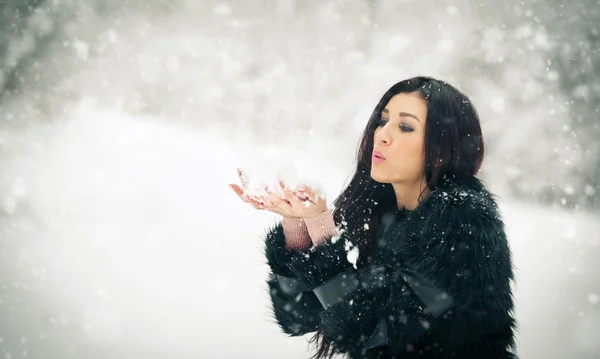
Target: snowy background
121	123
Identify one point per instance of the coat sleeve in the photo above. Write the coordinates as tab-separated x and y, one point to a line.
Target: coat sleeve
295	308
466	271
355	302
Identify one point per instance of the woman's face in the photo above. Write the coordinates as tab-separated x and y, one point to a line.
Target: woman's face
400	138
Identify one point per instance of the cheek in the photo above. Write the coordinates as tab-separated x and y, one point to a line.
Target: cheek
411	156
411	148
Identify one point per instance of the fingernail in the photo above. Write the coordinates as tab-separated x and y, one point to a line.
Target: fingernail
301	188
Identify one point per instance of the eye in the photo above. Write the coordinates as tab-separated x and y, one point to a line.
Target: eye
405	128
380	122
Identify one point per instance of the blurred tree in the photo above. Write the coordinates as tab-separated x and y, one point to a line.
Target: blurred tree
544	58
576	59
18	38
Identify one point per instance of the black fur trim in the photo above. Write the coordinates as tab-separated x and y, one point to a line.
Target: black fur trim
278	257
295	314
314	267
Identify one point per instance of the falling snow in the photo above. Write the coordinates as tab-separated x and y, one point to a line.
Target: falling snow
121	126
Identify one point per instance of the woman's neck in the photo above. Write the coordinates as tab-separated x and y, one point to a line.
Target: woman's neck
407	194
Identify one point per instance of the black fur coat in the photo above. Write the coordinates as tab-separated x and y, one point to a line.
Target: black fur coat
436	285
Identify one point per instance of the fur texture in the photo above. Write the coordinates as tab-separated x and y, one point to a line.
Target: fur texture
455	238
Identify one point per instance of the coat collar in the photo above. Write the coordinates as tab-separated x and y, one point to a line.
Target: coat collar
449	188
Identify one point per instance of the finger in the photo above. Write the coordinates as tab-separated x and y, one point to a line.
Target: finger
253	200
287	192
272	206
256	204
277	201
257	199
297	199
302	192
236	189
240	192
267	199
302	200
301	195
274	196
308	202
308	192
292	193
243	177
268	204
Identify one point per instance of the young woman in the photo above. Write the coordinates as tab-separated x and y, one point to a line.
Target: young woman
433	273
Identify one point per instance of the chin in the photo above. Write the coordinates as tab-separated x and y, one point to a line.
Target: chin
378	179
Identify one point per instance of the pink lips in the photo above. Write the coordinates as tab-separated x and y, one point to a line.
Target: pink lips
377	157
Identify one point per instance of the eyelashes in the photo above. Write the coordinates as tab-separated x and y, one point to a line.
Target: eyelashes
403	127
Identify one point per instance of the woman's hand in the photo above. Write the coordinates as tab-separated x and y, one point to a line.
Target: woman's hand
304	202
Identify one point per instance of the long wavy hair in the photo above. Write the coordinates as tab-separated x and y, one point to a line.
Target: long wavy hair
453	148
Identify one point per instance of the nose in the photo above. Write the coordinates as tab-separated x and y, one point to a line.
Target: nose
381	136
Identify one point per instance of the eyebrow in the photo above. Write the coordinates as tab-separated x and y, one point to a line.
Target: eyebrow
402	114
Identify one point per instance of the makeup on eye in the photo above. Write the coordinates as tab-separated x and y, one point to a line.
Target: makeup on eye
403	127
406	128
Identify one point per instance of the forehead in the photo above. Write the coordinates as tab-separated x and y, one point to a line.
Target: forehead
407	102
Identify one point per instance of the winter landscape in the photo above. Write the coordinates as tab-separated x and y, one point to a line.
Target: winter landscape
121	124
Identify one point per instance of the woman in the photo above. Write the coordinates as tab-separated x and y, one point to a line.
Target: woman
433	274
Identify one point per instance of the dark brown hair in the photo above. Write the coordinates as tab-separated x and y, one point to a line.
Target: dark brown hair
453	148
